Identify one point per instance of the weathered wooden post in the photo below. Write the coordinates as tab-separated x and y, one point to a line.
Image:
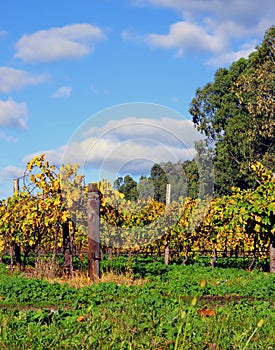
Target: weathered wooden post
272	248
168	193
167	243
15	185
93	206
16	248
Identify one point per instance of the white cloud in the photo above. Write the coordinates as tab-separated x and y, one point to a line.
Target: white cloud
72	41
187	36
13	114
212	27
9	173
122	144
229	57
11	79
63	92
240	11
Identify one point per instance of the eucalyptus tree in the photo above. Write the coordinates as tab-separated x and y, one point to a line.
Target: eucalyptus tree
236	113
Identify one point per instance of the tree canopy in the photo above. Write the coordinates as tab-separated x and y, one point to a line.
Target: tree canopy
236	114
127	186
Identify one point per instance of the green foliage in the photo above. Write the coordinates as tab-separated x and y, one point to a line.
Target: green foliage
127	186
145	188
160	180
183	308
236	113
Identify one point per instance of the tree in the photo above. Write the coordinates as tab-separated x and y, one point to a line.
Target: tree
176	177
159	179
204	162
236	114
190	168
145	188
127	186
182	176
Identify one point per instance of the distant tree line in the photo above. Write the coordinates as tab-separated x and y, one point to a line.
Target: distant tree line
183	177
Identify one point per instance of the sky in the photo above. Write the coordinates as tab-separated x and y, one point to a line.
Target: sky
108	83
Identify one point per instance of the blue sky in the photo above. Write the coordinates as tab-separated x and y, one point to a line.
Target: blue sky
62	62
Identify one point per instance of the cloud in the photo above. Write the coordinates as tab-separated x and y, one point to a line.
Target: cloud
9	173
11	79
132	144
219	29
229	57
187	36
239	11
72	41
5	137
13	114
63	92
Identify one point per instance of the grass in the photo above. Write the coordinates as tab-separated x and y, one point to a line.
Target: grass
184	307
44	269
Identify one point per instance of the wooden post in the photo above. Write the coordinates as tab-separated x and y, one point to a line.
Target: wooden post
93	207
167	243
16	249
272	254
214	259
272	248
15	185
168	194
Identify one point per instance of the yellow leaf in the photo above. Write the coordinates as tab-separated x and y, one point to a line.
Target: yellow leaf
65	216
260	323
57	201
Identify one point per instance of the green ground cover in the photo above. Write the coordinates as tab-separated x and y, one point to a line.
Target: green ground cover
179	307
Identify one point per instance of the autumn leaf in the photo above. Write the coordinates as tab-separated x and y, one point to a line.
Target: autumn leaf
206	312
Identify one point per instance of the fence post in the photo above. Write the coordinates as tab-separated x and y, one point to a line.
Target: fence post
272	247
16	247
15	185
167	243
93	206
